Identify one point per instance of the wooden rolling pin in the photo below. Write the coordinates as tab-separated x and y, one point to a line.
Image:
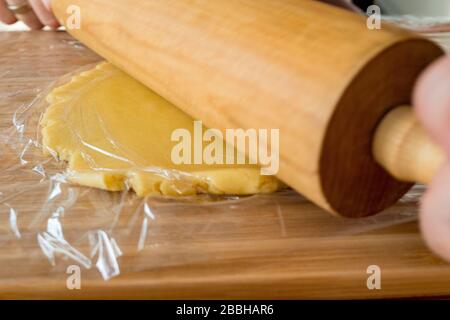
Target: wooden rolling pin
313	71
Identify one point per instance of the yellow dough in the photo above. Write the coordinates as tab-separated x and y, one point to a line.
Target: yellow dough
115	134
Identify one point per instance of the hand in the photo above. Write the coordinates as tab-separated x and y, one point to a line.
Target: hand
39	13
432	105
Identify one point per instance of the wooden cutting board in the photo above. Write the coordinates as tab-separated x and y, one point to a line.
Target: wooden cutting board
275	246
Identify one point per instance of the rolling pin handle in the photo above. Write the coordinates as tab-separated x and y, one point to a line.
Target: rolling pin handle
404	149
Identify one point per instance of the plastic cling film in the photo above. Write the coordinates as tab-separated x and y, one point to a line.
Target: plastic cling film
47	223
116	134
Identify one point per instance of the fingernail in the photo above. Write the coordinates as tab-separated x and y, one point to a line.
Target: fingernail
48	4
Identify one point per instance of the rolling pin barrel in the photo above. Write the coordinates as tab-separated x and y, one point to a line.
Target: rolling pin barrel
313	71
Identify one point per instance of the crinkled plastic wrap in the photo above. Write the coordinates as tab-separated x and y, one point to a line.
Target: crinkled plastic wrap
47	224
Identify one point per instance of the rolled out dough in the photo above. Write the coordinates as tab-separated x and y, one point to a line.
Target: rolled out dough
116	134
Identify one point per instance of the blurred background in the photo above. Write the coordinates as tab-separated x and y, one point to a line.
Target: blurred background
420	8
430	17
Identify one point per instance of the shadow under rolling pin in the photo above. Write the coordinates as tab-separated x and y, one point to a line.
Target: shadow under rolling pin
403	148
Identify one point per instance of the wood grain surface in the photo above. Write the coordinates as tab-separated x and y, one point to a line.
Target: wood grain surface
276	246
